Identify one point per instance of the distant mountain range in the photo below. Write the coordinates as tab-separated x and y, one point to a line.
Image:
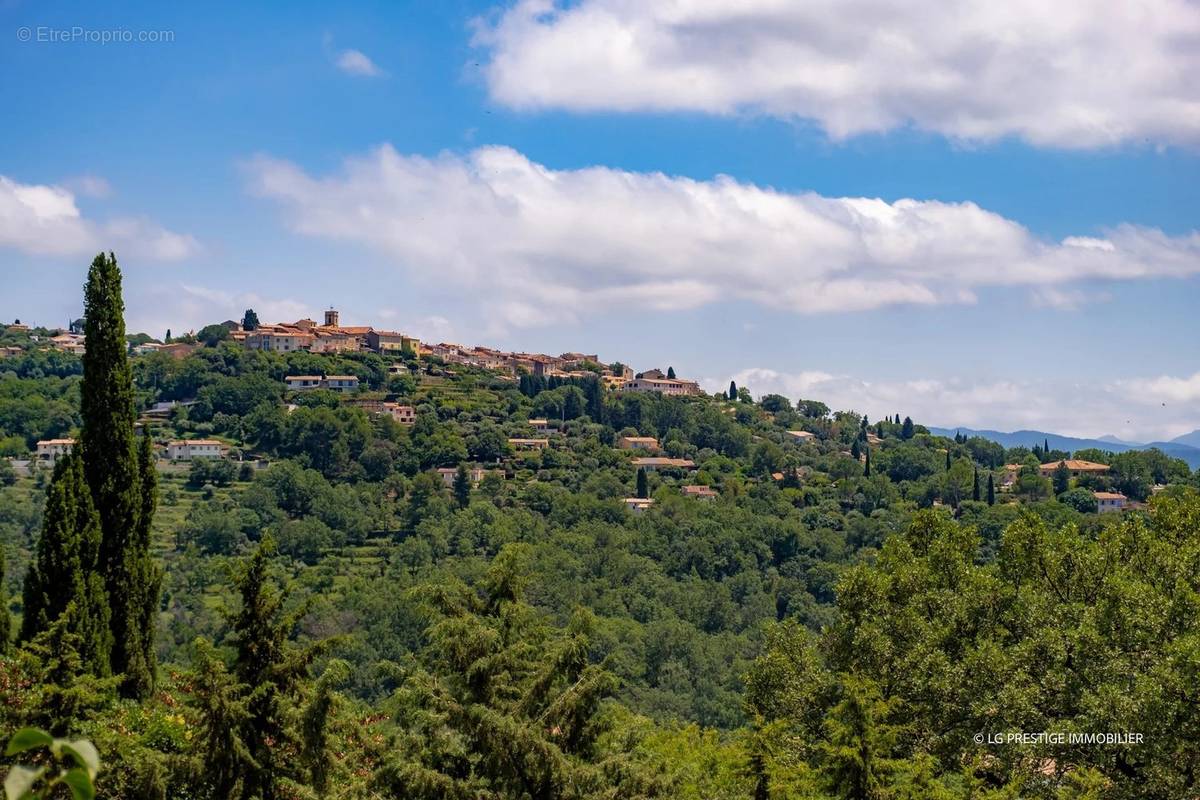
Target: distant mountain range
1186	447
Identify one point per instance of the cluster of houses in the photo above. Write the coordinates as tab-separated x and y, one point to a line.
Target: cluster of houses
1077	468
50	450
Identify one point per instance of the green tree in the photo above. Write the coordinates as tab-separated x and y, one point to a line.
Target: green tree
907	429
64	578
249	320
991	490
270	670
643	489
1061	478
5	620
733	391
499	704
462	486
975	493
856	755
114	475
212	335
671	373
867	465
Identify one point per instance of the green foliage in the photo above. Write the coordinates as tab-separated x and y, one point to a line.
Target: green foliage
75	766
64	581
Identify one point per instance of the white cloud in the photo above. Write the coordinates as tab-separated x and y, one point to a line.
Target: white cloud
44	220
1130	410
1163	389
89	186
1080	74
355	62
534	245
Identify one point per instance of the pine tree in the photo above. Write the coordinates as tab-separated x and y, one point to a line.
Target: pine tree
975	488
991	494
733	394
64	578
856	756
643	489
269	670
462	487
114	474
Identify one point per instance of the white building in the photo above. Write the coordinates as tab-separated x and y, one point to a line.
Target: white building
337	383
53	449
1107	502
185	450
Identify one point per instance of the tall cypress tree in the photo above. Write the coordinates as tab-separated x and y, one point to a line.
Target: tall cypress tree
643	488
975	488
867	467
991	495
733	391
64	578
462	486
114	475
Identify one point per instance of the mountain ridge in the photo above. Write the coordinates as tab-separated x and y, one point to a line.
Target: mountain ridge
1028	438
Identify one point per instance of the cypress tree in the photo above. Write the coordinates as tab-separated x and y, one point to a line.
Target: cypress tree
975	488
671	373
947	459
855	450
462	487
991	496
643	490
64	578
732	390
114	475
907	431
867	467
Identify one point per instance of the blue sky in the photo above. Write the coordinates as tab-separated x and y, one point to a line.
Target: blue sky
954	229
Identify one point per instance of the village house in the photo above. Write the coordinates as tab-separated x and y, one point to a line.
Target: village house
651	464
802	436
1076	467
280	338
405	415
10	352
145	348
18	327
1107	502
393	343
654	380
637	443
68	343
187	449
638	504
53	449
337	383
529	444
700	492
540	425
449	474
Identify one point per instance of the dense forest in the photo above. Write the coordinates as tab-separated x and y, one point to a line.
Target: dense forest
862	611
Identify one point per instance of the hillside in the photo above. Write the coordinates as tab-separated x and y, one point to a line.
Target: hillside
679	583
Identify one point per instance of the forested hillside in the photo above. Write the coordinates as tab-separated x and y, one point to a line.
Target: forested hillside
852	605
